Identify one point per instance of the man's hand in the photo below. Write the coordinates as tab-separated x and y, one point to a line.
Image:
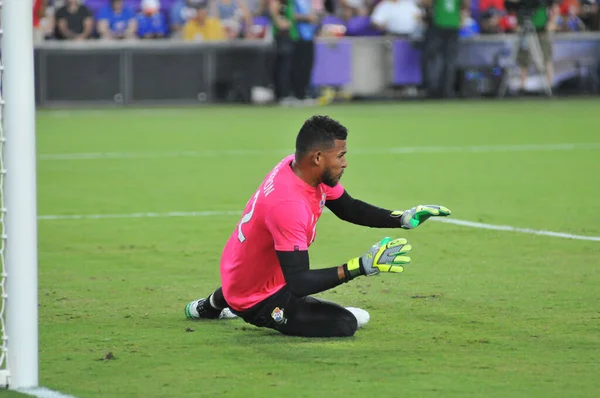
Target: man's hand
386	255
416	216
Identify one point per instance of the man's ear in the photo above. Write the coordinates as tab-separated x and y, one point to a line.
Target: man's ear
317	157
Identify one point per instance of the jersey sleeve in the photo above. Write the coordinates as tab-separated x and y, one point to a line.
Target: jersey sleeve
288	224
335	192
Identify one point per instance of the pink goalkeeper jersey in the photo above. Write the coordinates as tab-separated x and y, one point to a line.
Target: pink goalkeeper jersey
282	215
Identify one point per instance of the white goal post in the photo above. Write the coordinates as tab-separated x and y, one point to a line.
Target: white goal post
18	199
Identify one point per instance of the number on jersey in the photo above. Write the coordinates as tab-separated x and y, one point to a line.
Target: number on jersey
247	217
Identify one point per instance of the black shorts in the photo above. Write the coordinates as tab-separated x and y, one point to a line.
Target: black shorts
300	316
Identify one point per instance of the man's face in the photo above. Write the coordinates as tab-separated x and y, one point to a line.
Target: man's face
201	14
118	6
333	163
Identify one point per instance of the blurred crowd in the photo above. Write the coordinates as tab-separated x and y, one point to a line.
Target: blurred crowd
195	20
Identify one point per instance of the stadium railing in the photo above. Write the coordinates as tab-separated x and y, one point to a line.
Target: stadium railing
169	72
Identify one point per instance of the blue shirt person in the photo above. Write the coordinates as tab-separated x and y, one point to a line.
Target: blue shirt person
117	21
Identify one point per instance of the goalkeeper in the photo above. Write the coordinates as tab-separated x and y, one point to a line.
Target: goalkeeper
265	273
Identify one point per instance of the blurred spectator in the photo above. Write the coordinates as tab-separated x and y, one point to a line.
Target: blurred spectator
589	14
178	15
201	27
491	14
469	26
425	6
74	21
441	46
260	29
117	21
568	17
284	34
398	17
354	8
151	22
259	7
48	21
508	23
39	11
235	17
306	21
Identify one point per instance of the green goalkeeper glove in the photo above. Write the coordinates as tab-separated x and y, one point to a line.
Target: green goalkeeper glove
416	216
386	255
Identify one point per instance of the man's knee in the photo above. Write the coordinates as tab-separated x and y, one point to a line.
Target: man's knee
346	325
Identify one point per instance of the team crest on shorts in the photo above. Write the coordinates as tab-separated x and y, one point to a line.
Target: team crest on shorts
277	315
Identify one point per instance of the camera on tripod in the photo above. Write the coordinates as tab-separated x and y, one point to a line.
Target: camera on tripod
532	19
524	9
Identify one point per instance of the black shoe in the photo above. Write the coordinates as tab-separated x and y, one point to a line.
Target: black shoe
201	309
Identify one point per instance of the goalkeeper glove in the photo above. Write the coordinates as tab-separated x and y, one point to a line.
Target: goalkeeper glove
386	255
416	216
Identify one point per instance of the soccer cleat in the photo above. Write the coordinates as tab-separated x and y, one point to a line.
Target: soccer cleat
201	309
227	314
362	316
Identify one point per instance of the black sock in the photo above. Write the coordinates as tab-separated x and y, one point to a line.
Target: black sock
217	299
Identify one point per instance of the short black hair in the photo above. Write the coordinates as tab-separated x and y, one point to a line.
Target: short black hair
319	132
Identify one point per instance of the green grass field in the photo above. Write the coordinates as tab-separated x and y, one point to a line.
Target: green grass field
479	313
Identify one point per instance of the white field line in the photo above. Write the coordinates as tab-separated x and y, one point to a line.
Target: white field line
69	113
463	223
508	228
140	215
42	392
358	151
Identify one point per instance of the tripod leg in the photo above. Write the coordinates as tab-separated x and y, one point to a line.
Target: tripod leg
511	65
538	59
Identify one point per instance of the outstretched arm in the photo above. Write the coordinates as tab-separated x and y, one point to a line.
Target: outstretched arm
302	281
288	225
384	256
360	213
